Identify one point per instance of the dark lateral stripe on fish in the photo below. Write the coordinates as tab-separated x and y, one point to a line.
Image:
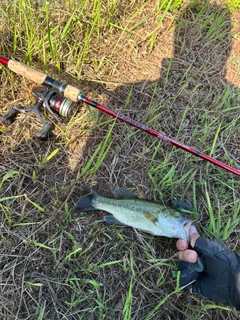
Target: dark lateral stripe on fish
148	216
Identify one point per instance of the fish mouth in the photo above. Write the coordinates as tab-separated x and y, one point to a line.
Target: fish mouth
186	228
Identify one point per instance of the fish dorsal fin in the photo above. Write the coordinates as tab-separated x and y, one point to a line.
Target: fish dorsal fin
182	206
121	193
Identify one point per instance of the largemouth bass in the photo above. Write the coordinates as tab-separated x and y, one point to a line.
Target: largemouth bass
148	216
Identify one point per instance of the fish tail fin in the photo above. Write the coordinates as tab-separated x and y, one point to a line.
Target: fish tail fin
87	200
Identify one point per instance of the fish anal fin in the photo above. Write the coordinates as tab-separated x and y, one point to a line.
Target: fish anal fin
147	231
112	220
121	193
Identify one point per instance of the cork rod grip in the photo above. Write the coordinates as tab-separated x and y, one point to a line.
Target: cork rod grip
71	93
26	71
22	69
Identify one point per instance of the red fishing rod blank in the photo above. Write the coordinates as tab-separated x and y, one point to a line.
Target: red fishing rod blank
74	94
4	61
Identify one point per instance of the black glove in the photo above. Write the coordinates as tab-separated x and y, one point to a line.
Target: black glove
215	272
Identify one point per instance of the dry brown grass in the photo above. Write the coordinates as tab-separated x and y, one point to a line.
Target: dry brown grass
52	262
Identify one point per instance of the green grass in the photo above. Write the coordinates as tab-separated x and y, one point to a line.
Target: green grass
8	175
162	64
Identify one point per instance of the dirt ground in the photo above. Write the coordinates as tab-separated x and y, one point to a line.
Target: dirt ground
52	258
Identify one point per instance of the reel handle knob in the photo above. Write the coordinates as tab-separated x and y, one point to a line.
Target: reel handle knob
45	132
8	119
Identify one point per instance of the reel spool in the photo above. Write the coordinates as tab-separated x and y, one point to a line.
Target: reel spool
60	105
53	102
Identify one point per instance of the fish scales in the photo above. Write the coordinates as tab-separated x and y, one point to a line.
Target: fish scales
143	210
149	216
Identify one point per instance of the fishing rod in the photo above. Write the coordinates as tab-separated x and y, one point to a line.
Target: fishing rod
75	95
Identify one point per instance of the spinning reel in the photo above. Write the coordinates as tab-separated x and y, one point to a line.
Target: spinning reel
54	103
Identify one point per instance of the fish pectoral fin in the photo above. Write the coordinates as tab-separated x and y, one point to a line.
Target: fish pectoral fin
150	217
112	220
121	193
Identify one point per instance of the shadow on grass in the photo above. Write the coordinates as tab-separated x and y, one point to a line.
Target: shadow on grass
188	102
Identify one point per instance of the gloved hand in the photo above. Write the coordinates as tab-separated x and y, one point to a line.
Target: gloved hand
216	273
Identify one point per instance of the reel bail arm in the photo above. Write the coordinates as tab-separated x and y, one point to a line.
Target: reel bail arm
53	103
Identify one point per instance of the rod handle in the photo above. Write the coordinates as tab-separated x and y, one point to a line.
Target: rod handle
71	93
22	69
26	71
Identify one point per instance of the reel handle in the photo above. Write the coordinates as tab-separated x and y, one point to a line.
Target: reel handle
8	119
45	132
